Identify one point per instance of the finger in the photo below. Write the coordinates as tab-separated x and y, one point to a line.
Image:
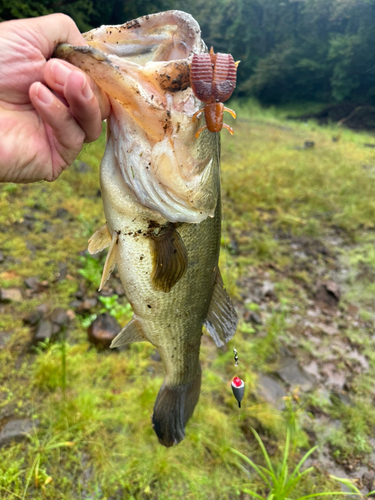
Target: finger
68	135
83	105
52	30
56	74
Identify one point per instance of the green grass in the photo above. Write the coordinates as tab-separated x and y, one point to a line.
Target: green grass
101	402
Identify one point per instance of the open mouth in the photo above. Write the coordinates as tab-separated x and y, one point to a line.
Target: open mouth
166	36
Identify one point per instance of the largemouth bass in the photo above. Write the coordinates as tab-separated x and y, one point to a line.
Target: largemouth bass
161	194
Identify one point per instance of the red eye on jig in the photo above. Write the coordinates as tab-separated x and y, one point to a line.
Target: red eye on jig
213	79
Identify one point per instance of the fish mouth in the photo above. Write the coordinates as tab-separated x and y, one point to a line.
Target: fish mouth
144	67
165	36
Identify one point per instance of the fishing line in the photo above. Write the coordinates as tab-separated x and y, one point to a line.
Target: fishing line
237	384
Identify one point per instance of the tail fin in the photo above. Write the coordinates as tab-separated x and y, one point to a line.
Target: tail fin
173	408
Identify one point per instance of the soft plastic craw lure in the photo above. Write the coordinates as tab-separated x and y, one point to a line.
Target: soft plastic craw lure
213	80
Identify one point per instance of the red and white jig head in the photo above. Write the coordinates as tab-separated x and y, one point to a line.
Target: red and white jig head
213	79
238	388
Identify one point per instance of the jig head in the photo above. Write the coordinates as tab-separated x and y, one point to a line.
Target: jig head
213	79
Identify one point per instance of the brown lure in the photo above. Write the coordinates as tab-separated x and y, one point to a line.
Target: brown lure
213	79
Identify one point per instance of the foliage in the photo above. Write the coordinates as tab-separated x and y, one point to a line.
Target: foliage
291	50
274	195
278	481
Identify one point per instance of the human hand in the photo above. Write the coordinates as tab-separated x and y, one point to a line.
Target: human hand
42	131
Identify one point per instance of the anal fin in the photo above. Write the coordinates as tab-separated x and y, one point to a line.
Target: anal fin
222	320
100	240
110	261
170	259
131	333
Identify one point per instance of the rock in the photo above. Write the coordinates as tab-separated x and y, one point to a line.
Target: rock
33	318
334	379
313	369
32	282
16	430
63	271
368	480
62	213
10	295
344	398
43	331
59	316
2	257
253	317
328	294
268	290
87	305
103	330
292	373
75	303
42	308
329	330
272	391
4	338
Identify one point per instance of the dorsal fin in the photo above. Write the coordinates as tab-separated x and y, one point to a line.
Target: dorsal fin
131	333
221	321
100	240
169	257
110	261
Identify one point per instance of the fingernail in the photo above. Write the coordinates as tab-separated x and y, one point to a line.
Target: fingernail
86	90
44	94
60	72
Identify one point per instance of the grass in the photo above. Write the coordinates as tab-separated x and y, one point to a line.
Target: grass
275	194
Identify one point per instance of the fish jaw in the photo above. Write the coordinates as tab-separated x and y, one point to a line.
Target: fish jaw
151	130
164	36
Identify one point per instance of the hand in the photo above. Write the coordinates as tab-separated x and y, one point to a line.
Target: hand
42	130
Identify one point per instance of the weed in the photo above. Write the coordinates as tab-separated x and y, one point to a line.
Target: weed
279	482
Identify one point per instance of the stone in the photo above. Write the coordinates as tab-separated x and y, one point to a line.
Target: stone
16	430
5	336
59	316
42	308
33	318
328	294
75	303
63	271
10	295
334	379
253	317
272	391
103	330
2	257
43	331
313	369
293	374
87	305
62	213
368	479
32	282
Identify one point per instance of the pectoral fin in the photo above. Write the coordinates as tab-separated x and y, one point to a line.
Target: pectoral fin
131	333
100	240
110	261
170	259
221	321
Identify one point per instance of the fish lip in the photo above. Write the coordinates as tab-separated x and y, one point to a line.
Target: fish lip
153	36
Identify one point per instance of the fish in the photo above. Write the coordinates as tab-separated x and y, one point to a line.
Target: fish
160	188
